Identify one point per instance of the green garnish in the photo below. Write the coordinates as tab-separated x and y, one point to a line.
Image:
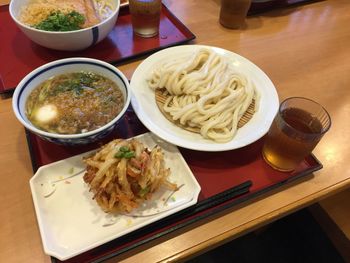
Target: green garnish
87	78
124	149
57	21
77	84
119	155
144	191
129	155
124	152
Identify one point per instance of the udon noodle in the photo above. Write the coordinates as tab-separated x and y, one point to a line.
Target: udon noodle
103	8
204	91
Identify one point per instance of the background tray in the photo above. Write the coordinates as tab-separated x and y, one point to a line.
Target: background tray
226	179
261	7
22	55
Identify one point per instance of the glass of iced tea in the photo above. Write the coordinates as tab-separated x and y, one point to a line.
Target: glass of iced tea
145	17
297	128
233	13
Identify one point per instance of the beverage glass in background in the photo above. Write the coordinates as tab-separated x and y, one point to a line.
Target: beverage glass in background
233	13
297	128
145	17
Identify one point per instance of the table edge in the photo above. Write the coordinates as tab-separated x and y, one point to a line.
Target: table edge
256	223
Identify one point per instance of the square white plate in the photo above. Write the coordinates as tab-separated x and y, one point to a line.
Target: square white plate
71	223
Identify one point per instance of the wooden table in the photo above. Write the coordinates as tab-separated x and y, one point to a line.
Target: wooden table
304	50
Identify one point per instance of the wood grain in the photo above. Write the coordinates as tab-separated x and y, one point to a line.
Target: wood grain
304	50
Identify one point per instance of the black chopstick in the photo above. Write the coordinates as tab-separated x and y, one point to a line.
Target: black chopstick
223	196
189	212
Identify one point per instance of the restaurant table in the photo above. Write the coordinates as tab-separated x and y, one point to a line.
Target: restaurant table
304	49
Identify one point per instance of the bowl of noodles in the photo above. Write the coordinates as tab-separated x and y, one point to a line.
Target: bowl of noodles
72	101
67	25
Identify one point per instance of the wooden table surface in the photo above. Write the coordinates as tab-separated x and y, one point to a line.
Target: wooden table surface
304	50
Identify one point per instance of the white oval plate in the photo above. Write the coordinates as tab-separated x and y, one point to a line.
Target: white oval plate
71	223
146	109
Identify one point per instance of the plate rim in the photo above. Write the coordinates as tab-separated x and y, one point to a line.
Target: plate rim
184	142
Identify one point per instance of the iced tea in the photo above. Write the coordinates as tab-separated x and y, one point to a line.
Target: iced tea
233	13
294	133
145	17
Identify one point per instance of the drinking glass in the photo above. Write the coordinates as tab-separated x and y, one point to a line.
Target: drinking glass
145	17
233	13
297	128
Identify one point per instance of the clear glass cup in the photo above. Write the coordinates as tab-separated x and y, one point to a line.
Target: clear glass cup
296	130
145	17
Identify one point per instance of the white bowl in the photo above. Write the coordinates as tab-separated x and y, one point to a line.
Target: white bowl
63	66
70	40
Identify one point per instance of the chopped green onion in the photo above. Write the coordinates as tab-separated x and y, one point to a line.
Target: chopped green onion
124	149
129	155
119	155
58	21
144	191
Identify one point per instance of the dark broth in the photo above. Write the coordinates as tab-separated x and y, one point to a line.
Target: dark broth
79	102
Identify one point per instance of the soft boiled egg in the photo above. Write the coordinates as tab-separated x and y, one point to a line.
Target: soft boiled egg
46	113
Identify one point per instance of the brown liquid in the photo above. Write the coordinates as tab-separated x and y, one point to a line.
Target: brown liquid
145	16
287	145
233	13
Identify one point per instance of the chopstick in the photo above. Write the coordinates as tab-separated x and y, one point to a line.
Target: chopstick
223	196
199	207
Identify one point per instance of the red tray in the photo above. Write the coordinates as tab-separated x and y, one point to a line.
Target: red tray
261	7
226	179
22	55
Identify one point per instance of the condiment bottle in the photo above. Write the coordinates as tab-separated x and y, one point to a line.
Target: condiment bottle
233	13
